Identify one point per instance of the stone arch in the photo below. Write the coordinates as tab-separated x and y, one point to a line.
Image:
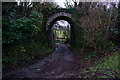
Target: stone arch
60	16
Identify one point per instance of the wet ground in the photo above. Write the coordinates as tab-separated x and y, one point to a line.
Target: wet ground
57	65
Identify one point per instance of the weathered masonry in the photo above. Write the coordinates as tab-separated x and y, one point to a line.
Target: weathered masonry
60	16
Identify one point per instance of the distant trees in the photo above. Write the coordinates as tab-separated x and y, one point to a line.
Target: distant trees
61	30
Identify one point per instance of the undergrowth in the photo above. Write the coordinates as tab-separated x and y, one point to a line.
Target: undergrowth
107	68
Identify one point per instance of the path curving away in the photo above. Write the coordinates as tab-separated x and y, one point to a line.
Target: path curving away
57	65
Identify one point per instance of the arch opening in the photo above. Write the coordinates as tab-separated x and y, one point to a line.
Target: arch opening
61	32
61	38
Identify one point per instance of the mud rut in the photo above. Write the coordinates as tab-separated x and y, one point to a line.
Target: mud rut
59	64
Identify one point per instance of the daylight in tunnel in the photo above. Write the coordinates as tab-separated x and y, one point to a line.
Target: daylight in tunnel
61	32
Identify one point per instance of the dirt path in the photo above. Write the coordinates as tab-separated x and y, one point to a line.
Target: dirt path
60	64
57	65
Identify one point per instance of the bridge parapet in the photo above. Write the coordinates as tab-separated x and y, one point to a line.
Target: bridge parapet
56	15
63	14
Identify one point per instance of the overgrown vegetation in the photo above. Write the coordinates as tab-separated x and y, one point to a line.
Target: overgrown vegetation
107	68
24	32
94	29
97	32
24	36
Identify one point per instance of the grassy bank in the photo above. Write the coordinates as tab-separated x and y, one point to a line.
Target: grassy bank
106	68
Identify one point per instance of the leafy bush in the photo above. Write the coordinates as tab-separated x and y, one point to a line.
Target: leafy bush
24	38
22	28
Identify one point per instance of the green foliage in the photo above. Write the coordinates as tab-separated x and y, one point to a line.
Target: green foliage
24	38
48	11
108	68
22	28
79	38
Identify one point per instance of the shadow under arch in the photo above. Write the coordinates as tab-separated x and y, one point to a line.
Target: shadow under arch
50	31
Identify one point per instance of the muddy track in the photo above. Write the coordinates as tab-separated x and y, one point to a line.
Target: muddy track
57	65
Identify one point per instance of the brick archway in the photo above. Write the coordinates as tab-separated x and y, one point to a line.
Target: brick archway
60	16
